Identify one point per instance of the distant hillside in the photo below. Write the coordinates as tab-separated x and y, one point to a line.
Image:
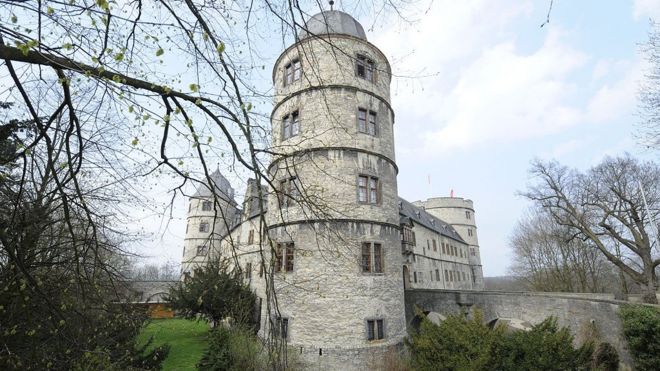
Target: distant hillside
504	283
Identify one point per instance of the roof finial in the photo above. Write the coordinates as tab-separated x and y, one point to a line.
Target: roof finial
331	4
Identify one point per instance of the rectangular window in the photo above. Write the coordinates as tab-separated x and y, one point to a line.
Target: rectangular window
362	120
473	251
207	206
284	257
248	271
289	192
204	227
292	72
435	246
251	236
372	257
290	125
202	250
408	236
431	275
367	122
467	215
443	248
437	275
415	275
451	276
446	276
460	251
375	329
470	232
463	273
365	68
368	189
282	327
371	126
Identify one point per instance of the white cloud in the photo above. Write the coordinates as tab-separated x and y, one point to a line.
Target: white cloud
489	88
506	95
612	100
647	8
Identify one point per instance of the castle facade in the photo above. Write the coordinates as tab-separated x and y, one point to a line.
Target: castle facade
328	224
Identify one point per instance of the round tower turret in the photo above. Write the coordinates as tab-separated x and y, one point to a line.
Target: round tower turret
459	212
334	215
210	215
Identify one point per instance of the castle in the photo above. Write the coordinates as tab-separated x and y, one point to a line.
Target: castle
341	245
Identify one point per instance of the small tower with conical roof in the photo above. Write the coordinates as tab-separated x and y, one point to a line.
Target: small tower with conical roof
335	219
210	215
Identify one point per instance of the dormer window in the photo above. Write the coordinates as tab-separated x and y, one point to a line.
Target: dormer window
290	125
292	72
365	68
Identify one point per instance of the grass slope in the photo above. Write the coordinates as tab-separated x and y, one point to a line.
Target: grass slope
187	339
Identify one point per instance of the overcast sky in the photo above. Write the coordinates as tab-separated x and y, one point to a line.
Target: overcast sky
481	89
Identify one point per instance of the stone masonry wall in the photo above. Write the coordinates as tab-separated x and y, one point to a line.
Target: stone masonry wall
582	315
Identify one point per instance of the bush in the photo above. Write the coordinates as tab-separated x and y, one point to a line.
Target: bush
605	358
641	327
233	349
215	291
468	344
455	344
544	347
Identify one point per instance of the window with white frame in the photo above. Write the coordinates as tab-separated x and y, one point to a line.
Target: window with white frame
372	257
375	329
290	125
368	189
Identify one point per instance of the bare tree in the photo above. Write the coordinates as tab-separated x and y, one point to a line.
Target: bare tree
549	257
178	84
605	206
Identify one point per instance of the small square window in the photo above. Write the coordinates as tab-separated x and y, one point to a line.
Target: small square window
207	206
202	250
375	329
204	227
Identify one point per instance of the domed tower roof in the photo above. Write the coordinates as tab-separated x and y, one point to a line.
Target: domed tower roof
333	22
222	186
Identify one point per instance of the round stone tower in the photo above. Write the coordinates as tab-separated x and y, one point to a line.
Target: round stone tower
209	216
459	212
334	219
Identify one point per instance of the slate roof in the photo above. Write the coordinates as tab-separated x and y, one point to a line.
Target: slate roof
410	212
333	21
222	186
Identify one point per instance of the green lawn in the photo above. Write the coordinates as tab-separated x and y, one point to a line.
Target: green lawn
187	340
